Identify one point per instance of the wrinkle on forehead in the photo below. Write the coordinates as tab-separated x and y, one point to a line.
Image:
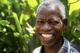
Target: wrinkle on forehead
41	13
49	11
53	10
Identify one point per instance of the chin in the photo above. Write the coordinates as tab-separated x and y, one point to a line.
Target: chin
48	44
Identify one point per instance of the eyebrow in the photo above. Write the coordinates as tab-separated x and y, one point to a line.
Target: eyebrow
40	18
50	17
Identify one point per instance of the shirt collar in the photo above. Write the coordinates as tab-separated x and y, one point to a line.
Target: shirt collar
65	48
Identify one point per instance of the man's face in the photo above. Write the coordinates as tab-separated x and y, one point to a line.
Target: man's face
49	25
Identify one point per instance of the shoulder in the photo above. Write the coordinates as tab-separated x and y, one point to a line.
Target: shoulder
75	47
37	50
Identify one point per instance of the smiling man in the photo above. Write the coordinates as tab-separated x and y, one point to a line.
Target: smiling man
50	21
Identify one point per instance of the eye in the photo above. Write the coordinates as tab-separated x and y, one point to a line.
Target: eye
40	22
54	22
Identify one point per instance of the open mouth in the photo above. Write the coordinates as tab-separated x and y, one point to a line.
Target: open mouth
47	36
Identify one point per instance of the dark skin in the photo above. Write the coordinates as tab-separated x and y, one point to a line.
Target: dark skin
49	21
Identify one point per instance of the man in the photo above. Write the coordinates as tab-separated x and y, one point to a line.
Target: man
50	21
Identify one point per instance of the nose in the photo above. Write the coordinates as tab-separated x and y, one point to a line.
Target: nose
46	27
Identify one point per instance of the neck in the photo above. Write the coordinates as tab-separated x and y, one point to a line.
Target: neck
54	48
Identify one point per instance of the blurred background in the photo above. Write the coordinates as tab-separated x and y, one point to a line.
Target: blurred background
17	25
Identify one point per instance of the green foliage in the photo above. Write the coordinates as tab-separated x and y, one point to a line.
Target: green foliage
72	33
4	22
15	30
74	15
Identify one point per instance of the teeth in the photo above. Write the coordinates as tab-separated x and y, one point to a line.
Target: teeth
47	35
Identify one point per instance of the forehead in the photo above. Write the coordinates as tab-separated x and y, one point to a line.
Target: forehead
48	11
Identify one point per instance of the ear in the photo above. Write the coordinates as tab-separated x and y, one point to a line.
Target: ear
64	23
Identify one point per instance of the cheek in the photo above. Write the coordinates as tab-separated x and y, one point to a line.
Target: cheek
58	28
37	27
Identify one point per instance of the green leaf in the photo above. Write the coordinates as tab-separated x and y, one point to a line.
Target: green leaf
32	3
31	35
5	2
28	10
26	15
74	8
16	5
4	22
26	36
24	18
76	31
8	11
12	27
16	34
1	30
17	23
39	1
